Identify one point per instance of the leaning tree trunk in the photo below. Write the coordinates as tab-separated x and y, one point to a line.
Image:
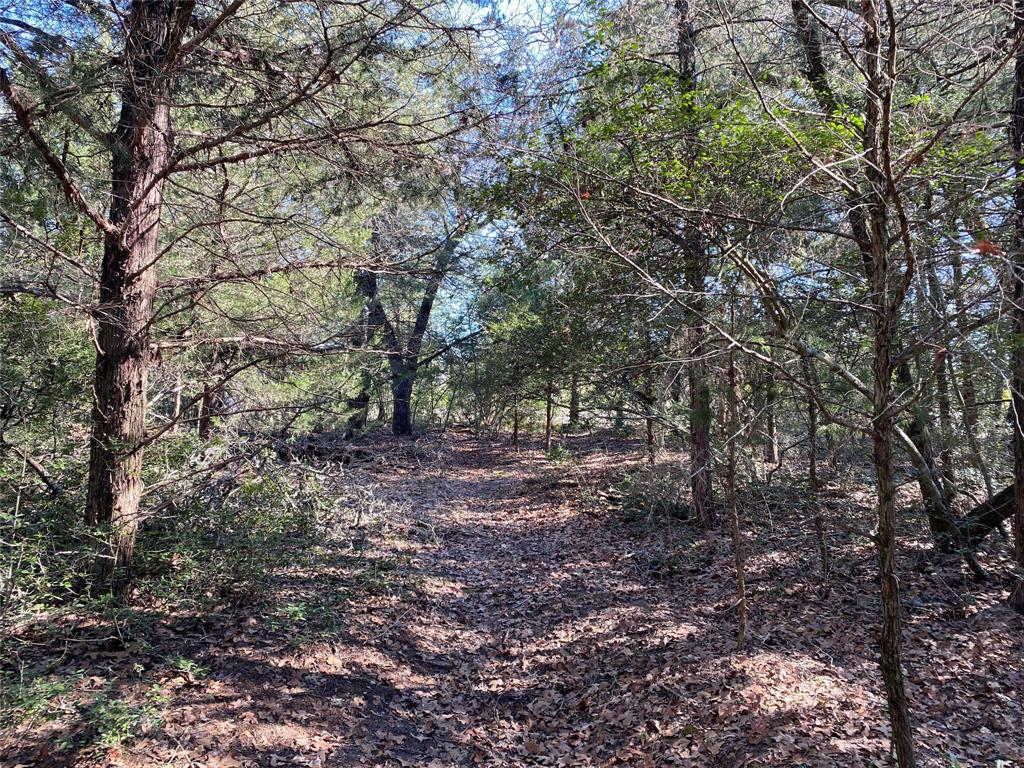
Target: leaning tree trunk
141	147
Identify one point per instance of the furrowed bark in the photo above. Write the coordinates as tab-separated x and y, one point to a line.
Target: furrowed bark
141	150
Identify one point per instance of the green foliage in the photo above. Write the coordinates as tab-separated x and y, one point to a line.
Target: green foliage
113	722
655	493
228	543
35	699
559	454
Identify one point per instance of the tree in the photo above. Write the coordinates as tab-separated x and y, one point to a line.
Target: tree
200	87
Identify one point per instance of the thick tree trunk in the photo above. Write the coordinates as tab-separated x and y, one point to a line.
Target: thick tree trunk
142	143
987	516
574	403
403	376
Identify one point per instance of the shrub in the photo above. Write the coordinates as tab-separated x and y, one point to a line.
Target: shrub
227	541
655	492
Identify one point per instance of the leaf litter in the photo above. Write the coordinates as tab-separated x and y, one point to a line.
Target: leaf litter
520	621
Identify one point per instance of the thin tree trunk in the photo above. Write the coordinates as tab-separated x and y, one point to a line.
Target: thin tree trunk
515	420
942	529
696	268
969	395
207	406
734	520
548	413
360	405
652	452
977	458
886	300
771	443
179	385
1017	310
812	473
141	148
700	434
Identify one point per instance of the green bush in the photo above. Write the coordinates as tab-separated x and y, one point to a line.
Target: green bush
227	542
655	492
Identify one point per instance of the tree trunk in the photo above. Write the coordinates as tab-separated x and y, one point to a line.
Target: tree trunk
652	449
886	300
1017	309
403	376
515	421
771	443
574	403
141	147
700	433
939	522
360	405
179	385
548	414
987	516
812	473
734	519
207	406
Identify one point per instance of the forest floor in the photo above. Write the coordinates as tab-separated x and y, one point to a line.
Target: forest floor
507	615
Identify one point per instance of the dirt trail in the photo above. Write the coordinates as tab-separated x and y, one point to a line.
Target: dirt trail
522	597
504	621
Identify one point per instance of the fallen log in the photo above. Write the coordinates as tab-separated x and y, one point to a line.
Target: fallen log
986	517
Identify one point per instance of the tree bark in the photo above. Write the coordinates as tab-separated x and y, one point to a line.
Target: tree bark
987	516
404	358
734	519
402	378
812	473
549	393
515	420
1017	309
939	522
574	403
700	431
141	148
885	300
696	269
771	443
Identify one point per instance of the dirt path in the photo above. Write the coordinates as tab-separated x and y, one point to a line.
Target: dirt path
503	620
